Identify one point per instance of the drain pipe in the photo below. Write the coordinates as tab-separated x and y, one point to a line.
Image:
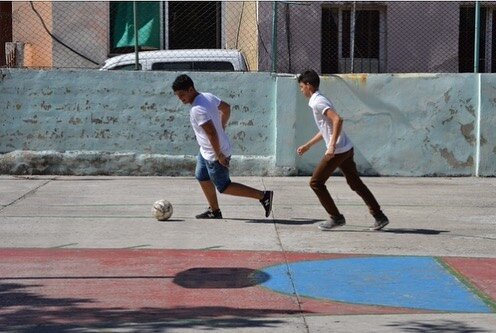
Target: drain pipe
478	124
478	88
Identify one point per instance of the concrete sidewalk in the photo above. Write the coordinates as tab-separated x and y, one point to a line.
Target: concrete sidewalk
83	254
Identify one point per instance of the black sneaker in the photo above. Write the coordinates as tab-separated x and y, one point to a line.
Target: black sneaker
267	202
381	221
210	214
332	223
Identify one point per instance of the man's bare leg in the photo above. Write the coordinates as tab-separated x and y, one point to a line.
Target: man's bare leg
209	191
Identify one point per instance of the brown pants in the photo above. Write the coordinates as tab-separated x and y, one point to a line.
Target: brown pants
323	172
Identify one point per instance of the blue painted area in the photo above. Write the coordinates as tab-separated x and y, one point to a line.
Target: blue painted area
407	282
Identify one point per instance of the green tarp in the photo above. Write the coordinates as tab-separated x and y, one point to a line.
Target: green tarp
122	24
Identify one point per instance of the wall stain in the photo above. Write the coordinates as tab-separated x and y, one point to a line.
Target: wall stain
167	135
31	121
46	92
447	120
103	134
241	135
74	121
447	96
467	130
148	107
470	109
453	162
46	106
104	120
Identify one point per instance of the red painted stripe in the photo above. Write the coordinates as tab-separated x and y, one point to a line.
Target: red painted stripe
479	271
140	285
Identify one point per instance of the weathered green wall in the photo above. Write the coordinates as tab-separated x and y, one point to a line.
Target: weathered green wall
130	123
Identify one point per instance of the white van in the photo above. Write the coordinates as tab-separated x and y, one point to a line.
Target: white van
211	60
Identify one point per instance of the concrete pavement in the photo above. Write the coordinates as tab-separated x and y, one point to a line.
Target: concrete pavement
83	254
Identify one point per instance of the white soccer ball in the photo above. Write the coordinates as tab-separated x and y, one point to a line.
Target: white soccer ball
162	210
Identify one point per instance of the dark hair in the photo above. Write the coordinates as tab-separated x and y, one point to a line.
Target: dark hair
311	77
182	82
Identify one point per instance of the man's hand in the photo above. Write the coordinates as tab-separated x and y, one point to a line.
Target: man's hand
224	160
329	152
302	149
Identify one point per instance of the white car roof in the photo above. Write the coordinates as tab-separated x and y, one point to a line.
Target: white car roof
174	55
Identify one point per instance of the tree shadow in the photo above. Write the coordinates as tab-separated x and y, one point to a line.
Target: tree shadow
23	311
437	327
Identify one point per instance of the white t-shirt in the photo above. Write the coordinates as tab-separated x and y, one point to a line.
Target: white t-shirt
205	107
319	105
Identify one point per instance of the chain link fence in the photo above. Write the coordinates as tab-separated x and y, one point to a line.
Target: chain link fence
282	36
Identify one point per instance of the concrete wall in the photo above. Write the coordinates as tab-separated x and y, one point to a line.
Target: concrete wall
406	125
130	123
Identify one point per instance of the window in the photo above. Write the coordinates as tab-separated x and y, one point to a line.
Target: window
165	25
129	67
122	26
337	37
211	66
172	66
194	25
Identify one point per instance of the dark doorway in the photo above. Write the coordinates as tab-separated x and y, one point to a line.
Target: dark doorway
493	51
5	28
330	41
467	38
194	24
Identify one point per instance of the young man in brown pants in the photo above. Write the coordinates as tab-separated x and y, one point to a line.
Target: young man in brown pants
339	154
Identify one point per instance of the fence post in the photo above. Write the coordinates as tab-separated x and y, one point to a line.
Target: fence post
136	45
274	36
477	37
352	39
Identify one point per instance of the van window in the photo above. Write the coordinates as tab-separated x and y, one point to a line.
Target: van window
128	67
213	66
172	66
193	66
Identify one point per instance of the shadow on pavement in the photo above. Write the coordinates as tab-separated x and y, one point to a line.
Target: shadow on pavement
415	231
280	221
220	278
393	231
22	311
437	327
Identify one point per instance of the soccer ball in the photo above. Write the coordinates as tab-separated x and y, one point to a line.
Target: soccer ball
162	210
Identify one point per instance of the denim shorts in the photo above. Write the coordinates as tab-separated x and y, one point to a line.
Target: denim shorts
214	171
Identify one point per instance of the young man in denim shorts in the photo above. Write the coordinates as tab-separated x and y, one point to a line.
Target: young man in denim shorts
209	116
338	154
